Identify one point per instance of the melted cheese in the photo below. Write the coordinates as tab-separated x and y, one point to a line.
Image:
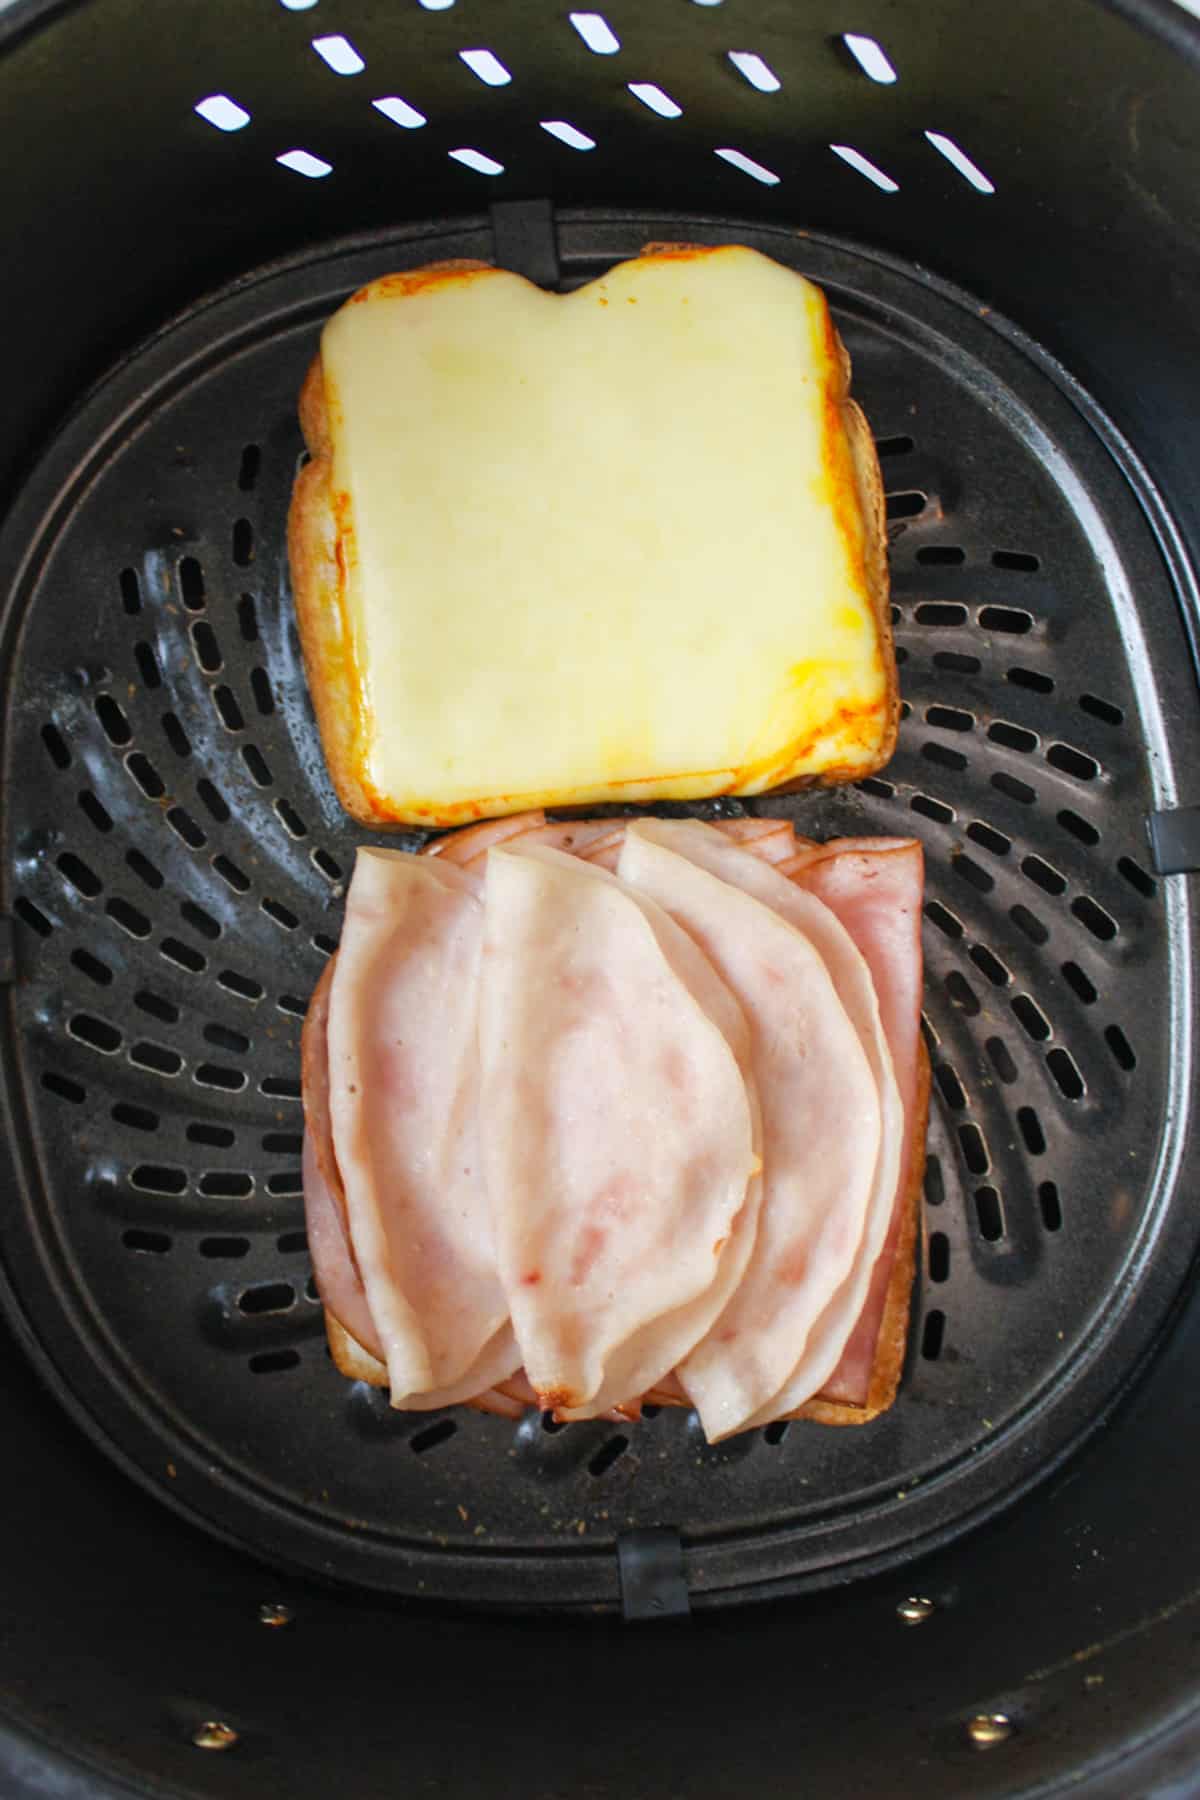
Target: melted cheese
600	545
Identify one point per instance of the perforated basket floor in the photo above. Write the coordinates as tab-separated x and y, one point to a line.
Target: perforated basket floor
176	862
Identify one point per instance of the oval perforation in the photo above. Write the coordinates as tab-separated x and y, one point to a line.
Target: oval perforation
203	1131
1050	1205
95	812
175	735
150	1243
989	1214
63	1088
929	808
131	592
32	915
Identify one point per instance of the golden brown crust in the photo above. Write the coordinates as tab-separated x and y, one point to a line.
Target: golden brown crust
857	498
349	1357
318	588
893	1330
314	414
868	479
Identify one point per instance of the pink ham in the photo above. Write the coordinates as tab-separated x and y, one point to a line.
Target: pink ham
344	1297
578	837
469	848
875	887
474	841
360	1365
501	1404
620	1141
338	1281
772	839
855	988
820	1101
852	979
403	1105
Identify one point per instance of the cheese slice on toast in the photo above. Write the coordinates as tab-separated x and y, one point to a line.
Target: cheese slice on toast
620	544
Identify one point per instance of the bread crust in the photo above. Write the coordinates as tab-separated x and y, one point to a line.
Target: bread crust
319	542
892	1342
857	498
318	590
349	1357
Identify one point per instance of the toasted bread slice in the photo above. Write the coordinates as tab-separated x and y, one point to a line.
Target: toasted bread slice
625	543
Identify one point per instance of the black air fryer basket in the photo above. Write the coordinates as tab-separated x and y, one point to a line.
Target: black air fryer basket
223	1569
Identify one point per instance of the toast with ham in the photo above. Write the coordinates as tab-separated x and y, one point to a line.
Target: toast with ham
621	544
605	1111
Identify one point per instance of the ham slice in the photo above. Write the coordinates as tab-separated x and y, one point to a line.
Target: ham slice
403	1105
596	840
496	1355
338	1280
352	1329
339	1283
334	1268
579	837
821	1112
772	839
501	1404
875	887
619	1133
474	841
853	981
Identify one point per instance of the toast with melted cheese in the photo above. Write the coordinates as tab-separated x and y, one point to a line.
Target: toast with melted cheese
621	544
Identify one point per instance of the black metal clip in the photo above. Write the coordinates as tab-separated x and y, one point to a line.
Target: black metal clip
653	1582
1175	840
526	240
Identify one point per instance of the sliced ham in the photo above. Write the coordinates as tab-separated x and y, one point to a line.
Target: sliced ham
875	887
820	1107
474	841
855	988
607	854
619	1133
496	1361
501	1404
578	837
772	839
353	1360
872	886
350	1325
468	848
403	1089
334	1268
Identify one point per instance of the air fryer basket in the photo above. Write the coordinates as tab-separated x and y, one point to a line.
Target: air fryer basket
966	1591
